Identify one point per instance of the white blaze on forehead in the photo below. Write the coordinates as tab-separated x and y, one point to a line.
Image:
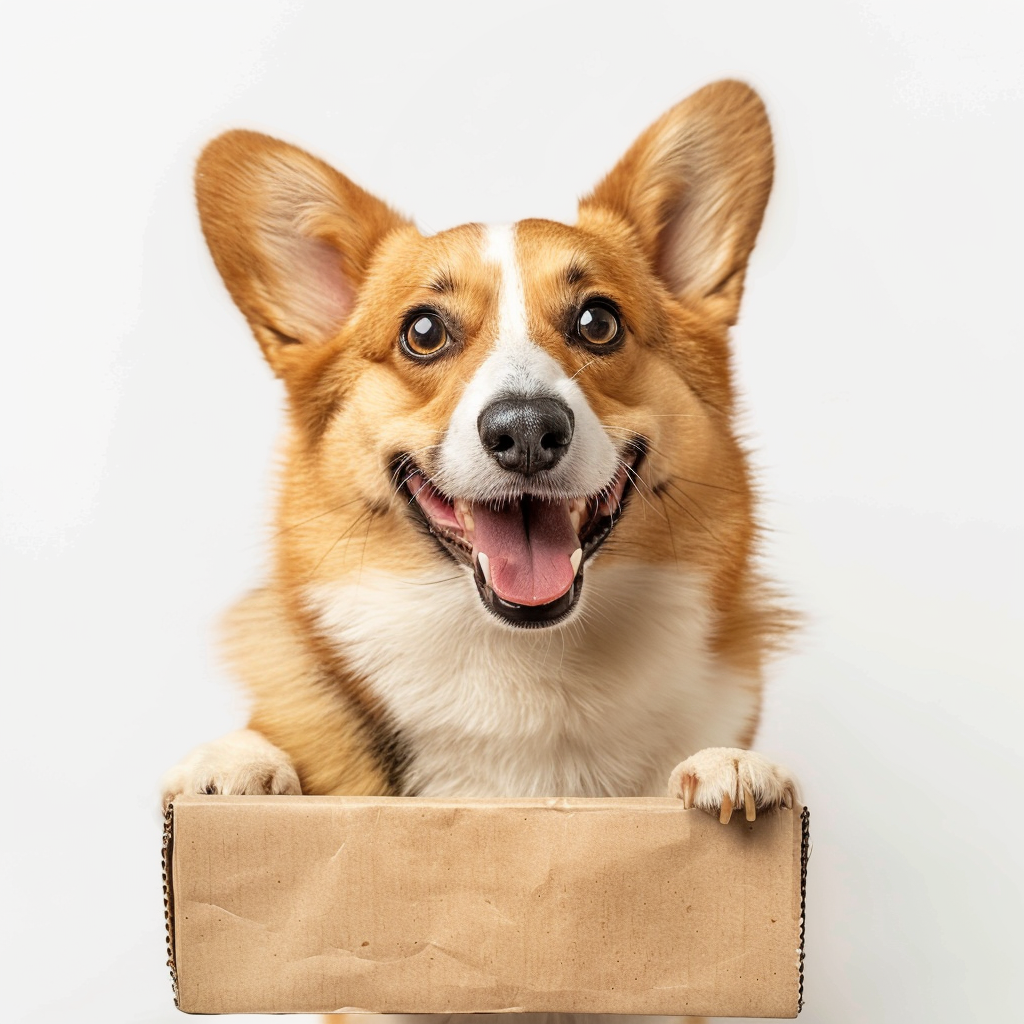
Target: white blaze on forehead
500	248
516	367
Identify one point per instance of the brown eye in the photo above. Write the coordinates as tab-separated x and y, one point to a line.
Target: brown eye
598	326
424	335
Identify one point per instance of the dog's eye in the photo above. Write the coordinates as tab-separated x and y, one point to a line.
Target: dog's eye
598	326
424	335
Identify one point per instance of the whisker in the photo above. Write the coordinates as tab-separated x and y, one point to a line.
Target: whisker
671	533
682	492
637	485
589	362
338	540
362	559
704	483
683	508
426	484
432	583
409	456
319	515
651	447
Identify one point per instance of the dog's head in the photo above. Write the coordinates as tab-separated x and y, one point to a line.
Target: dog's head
506	402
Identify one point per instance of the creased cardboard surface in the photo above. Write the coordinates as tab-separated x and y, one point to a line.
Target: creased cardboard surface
321	904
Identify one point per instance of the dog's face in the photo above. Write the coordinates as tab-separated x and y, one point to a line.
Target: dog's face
506	403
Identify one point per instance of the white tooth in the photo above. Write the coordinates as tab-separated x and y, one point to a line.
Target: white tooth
485	566
574	560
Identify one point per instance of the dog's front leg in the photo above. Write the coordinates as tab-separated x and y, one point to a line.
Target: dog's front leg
720	778
242	763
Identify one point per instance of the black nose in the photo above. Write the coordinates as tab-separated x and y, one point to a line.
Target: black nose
526	435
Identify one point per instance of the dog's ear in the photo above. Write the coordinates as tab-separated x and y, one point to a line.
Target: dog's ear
693	188
291	237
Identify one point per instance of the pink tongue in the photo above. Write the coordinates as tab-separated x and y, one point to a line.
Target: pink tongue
528	546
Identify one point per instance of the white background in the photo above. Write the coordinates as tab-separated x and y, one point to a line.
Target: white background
879	353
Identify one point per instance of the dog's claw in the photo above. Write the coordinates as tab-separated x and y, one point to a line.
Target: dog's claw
749	804
726	810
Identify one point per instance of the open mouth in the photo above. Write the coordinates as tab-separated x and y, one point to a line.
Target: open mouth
528	552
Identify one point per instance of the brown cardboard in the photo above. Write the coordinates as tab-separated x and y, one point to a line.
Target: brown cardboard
327	904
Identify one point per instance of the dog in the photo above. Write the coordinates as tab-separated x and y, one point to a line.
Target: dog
515	548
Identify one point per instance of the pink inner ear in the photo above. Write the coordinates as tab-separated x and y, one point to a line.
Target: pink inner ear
317	296
326	271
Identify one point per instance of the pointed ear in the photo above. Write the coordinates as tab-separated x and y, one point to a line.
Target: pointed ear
694	187
291	237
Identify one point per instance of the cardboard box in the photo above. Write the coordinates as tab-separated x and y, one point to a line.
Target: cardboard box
328	904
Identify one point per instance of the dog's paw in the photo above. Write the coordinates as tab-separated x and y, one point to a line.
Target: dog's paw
242	763
720	778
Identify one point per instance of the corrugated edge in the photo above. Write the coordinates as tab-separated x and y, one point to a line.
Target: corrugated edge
168	851
805	855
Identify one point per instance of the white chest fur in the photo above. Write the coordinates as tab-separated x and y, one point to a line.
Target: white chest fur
605	705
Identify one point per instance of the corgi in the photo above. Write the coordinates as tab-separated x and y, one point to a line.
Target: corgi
516	532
